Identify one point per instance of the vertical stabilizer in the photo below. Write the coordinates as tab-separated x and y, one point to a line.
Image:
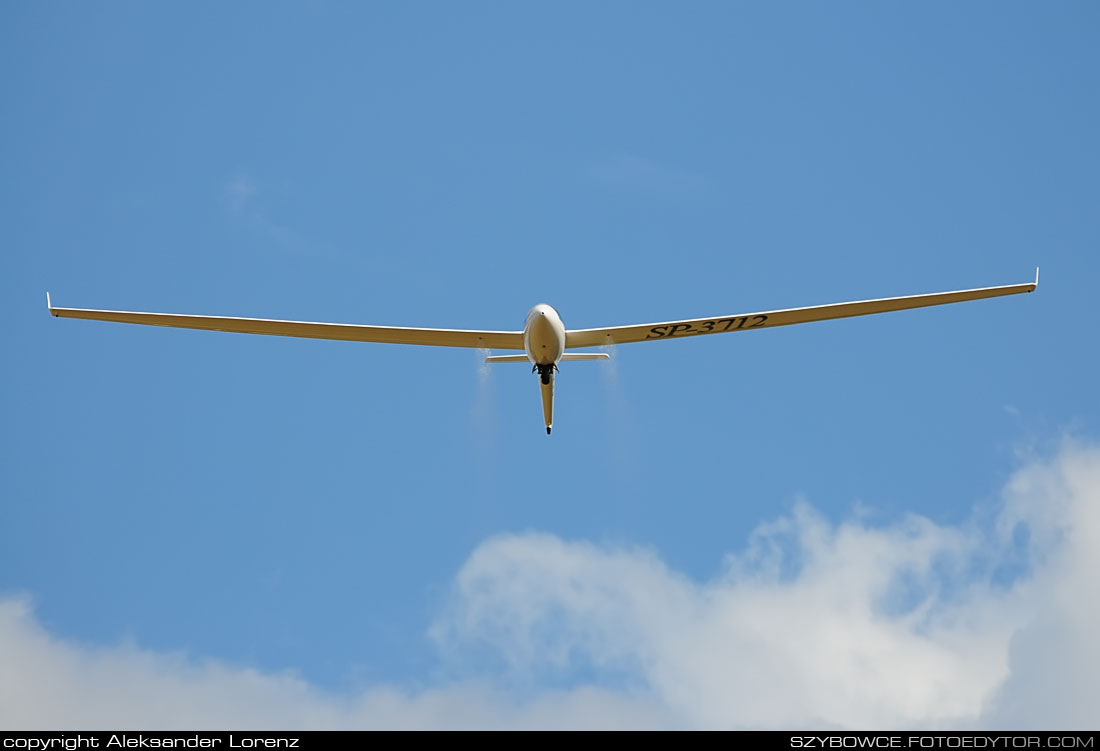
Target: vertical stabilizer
548	402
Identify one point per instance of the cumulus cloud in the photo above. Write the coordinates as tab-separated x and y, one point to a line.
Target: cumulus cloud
46	683
761	645
812	623
1055	656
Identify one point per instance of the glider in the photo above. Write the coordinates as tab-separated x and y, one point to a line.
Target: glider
544	340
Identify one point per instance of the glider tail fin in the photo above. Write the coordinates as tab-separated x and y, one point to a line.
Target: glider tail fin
547	388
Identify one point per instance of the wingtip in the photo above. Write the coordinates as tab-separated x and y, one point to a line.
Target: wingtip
1036	277
49	305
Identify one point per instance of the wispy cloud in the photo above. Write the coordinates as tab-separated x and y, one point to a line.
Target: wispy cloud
811	624
636	173
238	191
243	196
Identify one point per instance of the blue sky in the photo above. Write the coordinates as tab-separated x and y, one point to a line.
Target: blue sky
340	513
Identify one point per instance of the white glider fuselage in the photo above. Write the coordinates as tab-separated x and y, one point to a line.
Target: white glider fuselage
544	343
544	335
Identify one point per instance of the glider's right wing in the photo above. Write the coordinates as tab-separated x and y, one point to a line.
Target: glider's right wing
747	321
343	331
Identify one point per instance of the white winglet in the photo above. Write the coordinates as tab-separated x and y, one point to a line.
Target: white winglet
1036	276
49	306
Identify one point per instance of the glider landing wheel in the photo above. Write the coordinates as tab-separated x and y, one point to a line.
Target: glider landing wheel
544	372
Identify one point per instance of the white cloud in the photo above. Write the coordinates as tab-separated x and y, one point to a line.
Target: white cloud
47	683
1055	658
753	648
812	624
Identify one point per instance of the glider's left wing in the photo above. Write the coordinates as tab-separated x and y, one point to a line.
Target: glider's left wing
747	321
343	331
